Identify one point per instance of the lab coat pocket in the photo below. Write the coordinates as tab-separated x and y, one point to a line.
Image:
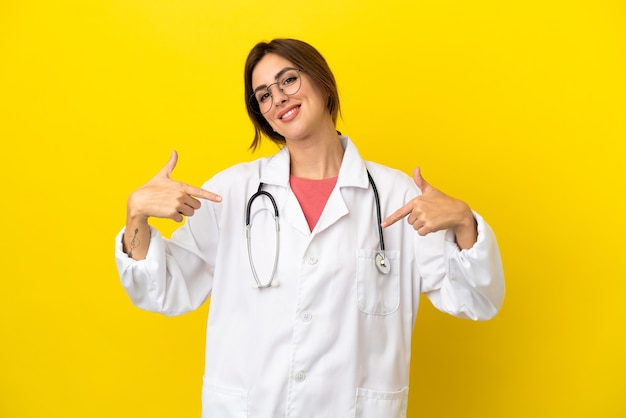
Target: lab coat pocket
377	293
218	401
376	404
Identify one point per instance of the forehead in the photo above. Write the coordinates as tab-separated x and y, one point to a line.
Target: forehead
266	69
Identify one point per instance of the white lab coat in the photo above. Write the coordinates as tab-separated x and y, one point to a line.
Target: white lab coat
334	339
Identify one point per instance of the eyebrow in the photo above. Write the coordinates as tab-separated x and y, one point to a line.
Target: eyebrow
276	77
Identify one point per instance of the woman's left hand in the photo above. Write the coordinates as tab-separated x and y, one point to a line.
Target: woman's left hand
434	210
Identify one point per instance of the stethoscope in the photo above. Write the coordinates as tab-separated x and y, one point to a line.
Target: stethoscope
380	260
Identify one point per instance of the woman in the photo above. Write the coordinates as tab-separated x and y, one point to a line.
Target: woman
311	311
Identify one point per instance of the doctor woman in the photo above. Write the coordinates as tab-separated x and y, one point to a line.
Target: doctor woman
313	293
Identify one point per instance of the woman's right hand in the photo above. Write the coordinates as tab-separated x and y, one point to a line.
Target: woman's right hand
161	197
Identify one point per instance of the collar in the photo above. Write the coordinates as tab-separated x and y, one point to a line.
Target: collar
352	173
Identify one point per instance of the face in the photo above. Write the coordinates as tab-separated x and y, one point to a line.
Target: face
296	116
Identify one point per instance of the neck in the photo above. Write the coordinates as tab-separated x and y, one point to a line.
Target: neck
317	158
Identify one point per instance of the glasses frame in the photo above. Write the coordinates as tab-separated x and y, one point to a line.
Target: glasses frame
254	103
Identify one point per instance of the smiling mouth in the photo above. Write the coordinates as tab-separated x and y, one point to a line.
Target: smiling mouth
289	112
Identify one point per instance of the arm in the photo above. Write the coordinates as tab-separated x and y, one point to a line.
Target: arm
466	283
159	275
457	251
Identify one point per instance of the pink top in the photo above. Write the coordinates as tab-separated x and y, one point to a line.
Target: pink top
312	195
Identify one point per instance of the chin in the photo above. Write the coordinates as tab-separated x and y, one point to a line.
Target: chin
294	134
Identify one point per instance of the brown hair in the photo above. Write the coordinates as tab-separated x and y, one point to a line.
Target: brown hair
303	56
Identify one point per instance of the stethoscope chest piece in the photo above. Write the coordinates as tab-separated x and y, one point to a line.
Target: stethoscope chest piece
382	264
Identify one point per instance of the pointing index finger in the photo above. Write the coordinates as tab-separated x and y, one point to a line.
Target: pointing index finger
202	193
397	215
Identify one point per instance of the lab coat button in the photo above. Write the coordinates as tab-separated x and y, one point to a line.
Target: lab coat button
311	260
307	316
300	376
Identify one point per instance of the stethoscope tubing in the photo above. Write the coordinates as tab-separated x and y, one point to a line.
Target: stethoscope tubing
271	282
378	215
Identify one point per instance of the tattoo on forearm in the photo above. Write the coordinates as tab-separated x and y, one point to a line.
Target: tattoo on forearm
134	243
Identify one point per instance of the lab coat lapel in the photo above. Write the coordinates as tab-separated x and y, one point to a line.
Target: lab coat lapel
335	209
294	216
352	173
277	174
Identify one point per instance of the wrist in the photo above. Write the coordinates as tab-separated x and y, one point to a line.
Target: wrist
133	213
466	231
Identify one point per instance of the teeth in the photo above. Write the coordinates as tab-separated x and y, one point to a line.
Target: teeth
289	113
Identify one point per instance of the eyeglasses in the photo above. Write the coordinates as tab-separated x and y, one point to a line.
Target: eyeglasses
288	82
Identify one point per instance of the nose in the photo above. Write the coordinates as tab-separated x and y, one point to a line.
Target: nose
278	95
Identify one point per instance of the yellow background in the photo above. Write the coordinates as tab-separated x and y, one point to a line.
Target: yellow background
516	107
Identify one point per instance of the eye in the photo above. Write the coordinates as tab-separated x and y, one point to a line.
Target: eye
262	97
290	79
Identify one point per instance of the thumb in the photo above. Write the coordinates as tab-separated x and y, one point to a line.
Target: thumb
419	180
166	171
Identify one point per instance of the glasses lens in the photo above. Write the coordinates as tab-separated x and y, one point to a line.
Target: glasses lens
261	101
289	83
